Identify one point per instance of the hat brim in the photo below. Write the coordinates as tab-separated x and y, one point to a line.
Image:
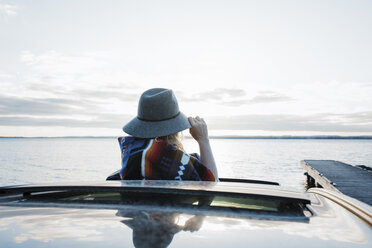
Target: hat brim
151	129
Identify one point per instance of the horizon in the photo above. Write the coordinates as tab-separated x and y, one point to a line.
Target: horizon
250	68
365	137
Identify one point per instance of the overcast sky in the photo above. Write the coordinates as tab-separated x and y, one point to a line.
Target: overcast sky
260	67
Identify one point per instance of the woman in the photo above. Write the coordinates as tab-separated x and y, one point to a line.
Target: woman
154	149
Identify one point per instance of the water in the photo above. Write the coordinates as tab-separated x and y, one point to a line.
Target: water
39	160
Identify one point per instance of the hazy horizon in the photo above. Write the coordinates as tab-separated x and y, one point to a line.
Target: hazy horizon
250	68
319	137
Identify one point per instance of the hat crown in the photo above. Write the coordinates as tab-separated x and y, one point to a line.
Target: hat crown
157	104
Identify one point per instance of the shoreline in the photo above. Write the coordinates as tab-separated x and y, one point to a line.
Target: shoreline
331	137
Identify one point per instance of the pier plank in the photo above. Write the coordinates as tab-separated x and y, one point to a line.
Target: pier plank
341	177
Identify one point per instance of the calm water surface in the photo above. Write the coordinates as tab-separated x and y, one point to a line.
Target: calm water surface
39	160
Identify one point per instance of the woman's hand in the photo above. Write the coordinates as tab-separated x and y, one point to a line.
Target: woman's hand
199	129
199	132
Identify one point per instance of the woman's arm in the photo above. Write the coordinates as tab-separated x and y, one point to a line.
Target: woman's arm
199	132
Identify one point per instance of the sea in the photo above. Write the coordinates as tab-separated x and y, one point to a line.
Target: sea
58	160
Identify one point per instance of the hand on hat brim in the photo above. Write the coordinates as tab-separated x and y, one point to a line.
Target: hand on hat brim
199	129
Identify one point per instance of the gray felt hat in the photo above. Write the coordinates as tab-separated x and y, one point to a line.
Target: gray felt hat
158	115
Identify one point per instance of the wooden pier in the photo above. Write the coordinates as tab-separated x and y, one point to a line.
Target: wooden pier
340	177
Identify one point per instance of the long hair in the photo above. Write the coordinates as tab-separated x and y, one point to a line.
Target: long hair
174	139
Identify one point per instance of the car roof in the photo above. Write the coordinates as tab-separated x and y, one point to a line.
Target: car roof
29	211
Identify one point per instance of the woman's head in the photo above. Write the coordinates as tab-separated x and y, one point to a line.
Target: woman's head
158	115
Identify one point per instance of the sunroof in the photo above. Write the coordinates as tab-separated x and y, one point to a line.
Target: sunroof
170	198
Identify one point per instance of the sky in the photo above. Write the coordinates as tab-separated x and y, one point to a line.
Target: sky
78	67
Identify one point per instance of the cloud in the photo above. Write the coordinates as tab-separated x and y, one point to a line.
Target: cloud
8	9
361	118
98	121
29	106
27	57
59	90
42	116
120	94
61	112
5	76
353	122
270	97
234	97
73	85
86	69
89	89
87	75
215	94
56	63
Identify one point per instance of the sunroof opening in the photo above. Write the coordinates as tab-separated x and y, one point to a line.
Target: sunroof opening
215	201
